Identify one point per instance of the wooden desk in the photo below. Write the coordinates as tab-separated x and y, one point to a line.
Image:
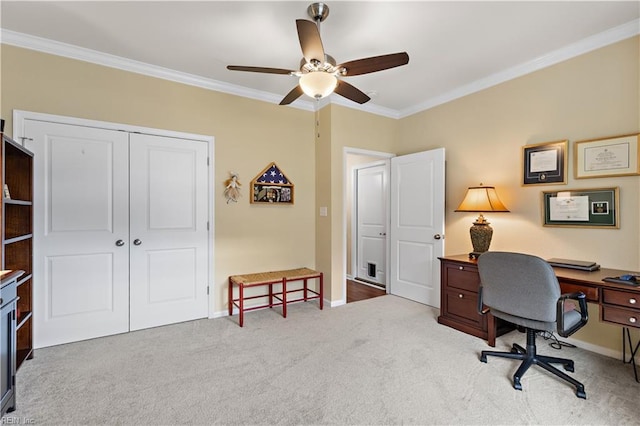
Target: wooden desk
618	303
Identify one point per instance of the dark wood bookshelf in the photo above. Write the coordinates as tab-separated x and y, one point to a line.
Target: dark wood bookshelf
17	236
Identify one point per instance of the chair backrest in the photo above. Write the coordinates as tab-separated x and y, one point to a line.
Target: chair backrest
519	284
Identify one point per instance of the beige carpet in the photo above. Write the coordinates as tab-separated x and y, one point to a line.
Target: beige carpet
378	361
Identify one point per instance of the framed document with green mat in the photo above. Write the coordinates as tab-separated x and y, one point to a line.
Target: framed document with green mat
586	208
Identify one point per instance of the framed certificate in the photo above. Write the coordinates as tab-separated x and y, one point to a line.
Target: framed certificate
581	208
614	156
545	163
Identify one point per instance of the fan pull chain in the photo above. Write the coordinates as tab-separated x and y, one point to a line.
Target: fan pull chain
317	121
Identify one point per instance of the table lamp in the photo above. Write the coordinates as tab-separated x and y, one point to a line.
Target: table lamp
481	199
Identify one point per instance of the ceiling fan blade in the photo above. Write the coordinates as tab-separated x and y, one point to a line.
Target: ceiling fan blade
294	94
375	63
310	40
351	92
259	69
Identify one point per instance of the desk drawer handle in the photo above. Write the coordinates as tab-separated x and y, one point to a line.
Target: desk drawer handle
632	320
461	268
460	296
633	301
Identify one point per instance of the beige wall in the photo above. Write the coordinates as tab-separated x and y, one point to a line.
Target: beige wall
354	129
248	136
323	199
594	95
589	96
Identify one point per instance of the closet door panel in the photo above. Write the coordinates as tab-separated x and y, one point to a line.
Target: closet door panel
81	209
79	185
169	211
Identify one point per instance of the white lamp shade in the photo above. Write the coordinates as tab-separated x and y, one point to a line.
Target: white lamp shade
318	84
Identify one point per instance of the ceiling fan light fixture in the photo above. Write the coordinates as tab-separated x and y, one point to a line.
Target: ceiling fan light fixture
318	75
318	84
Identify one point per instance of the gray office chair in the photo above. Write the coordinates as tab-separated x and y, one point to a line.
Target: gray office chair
523	289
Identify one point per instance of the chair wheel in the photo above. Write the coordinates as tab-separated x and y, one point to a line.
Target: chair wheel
580	393
569	367
483	358
516	384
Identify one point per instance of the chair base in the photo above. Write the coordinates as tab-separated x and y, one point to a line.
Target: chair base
529	357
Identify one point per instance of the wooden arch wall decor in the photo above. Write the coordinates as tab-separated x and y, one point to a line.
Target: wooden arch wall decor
271	186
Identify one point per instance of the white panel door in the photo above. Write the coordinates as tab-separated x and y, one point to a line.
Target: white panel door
81	210
169	211
417	225
371	213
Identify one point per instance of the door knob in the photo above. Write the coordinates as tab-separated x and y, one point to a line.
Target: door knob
119	243
437	237
137	242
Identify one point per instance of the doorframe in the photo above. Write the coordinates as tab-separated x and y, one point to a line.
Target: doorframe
20	116
384	157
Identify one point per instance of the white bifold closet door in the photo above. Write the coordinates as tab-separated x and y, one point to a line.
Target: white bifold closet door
168	230
120	231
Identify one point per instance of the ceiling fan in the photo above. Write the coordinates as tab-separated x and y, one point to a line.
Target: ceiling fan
318	74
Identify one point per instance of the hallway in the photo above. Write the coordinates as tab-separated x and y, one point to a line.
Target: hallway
357	291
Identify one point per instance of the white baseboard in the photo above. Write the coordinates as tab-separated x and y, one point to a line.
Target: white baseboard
612	353
337	303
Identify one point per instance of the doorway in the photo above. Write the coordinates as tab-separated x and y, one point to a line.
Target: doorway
357	291
415	222
355	158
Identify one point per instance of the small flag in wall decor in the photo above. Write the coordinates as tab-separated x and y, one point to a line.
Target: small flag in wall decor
272	186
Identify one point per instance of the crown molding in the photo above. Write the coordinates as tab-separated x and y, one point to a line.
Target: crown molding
368	107
588	44
605	38
92	56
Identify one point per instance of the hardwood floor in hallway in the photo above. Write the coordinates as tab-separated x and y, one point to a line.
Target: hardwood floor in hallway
357	291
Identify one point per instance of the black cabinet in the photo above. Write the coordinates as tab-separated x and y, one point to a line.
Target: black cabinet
8	307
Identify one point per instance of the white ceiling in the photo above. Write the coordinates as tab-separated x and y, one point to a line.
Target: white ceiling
454	47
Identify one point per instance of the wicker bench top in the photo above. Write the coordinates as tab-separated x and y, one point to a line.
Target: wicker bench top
274	276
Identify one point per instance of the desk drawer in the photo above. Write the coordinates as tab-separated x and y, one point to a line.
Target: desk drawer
464	306
627	299
590	292
463	277
7	294
622	316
